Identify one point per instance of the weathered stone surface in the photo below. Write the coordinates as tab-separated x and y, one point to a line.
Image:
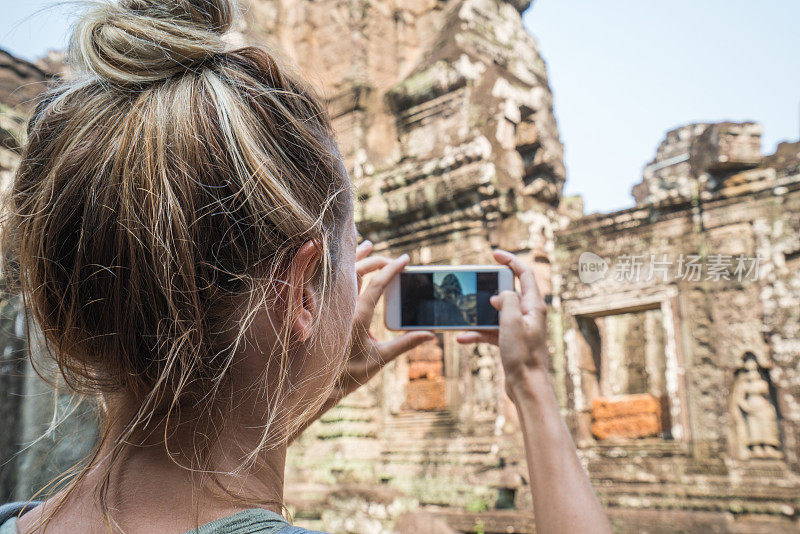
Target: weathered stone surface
20	81
684	334
629	416
428	394
445	119
416	522
725	147
422	369
34	451
608	408
699	157
785	160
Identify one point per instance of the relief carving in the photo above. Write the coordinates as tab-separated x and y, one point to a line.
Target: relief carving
754	413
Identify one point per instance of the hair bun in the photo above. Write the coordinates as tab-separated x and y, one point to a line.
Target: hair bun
136	42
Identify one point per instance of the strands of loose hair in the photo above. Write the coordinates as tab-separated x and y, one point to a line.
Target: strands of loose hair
162	192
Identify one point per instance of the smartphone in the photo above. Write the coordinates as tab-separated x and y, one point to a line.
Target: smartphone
445	297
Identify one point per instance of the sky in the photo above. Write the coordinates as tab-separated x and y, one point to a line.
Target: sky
622	72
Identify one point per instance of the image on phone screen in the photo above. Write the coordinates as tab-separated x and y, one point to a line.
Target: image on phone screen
447	298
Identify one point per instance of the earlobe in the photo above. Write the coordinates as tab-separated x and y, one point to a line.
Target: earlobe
305	317
302	325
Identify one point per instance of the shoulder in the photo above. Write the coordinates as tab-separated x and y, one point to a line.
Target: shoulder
289	529
9	513
9	526
251	521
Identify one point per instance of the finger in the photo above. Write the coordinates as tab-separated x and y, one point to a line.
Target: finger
368	299
367	265
381	279
508	303
477	337
392	348
364	248
527	280
373	263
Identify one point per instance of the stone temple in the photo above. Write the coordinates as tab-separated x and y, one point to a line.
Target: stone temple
675	324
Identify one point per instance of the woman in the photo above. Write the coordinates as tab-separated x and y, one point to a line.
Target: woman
181	228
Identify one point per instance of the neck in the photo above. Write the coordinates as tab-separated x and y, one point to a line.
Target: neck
149	484
226	478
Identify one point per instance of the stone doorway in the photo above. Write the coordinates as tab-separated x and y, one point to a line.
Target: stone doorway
623	357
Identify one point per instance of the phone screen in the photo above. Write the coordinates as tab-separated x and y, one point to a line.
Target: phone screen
448	298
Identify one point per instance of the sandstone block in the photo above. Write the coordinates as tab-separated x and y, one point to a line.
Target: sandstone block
628	416
425	369
426	394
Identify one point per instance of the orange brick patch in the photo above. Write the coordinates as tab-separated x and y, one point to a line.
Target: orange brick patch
626	416
426	394
425	369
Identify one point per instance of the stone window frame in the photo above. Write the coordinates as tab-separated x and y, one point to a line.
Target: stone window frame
665	299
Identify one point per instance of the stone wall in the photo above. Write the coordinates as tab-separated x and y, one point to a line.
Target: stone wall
445	118
739	468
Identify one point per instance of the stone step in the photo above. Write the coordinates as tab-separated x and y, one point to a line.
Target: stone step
417	425
686	489
736	506
338	429
489	522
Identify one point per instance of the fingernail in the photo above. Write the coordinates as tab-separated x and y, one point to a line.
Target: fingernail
404	257
366	242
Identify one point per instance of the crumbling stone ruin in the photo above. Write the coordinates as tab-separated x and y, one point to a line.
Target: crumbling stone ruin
445	117
675	323
679	357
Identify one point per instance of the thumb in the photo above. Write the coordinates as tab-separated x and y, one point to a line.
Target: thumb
507	302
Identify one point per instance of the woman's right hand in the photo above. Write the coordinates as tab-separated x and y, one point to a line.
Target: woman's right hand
522	336
563	498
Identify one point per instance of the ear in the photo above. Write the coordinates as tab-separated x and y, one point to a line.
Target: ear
302	291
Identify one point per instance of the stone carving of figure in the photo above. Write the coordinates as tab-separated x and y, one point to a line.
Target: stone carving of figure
754	412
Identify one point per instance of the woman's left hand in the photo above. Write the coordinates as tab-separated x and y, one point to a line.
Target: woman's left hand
369	355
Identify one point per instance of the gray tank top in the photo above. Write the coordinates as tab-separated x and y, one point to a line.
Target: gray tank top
252	521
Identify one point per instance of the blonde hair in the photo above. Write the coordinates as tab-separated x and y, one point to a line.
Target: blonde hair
163	189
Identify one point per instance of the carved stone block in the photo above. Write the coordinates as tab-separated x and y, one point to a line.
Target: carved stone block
626	416
426	394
